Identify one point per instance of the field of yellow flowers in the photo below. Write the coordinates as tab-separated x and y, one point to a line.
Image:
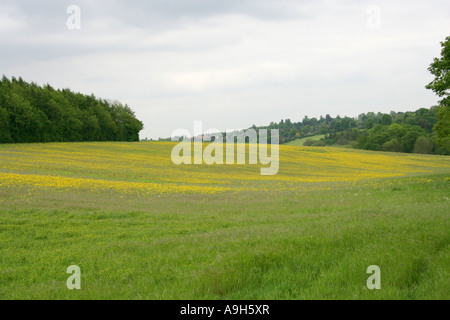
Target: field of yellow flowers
147	169
140	227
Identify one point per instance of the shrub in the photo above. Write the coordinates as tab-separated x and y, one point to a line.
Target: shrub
308	142
423	145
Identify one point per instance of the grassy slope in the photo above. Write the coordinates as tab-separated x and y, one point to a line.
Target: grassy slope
300	142
280	244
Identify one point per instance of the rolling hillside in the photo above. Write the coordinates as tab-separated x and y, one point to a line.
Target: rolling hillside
140	227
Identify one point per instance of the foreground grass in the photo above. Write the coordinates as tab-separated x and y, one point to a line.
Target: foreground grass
315	246
245	243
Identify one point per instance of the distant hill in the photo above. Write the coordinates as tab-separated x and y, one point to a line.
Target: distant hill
410	132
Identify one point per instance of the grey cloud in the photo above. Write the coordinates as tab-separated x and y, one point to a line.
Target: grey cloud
230	63
156	13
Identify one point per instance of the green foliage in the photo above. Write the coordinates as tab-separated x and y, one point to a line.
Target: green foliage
423	145
4	125
442	127
348	131
308	142
386	119
370	123
395	138
440	69
394	132
30	113
441	86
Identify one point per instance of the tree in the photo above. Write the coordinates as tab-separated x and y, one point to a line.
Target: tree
440	68
24	123
442	127
409	140
370	123
393	145
386	119
308	142
5	136
423	145
30	113
128	125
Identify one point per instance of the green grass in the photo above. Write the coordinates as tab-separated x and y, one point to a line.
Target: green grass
279	244
300	142
315	246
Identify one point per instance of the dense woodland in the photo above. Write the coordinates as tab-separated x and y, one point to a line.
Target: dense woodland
396	131
32	113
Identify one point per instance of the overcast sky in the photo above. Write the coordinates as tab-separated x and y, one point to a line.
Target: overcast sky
229	63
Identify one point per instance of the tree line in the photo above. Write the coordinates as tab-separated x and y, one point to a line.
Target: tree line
394	131
33	113
410	132
422	131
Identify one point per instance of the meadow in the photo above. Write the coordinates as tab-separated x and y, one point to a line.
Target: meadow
141	227
300	142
